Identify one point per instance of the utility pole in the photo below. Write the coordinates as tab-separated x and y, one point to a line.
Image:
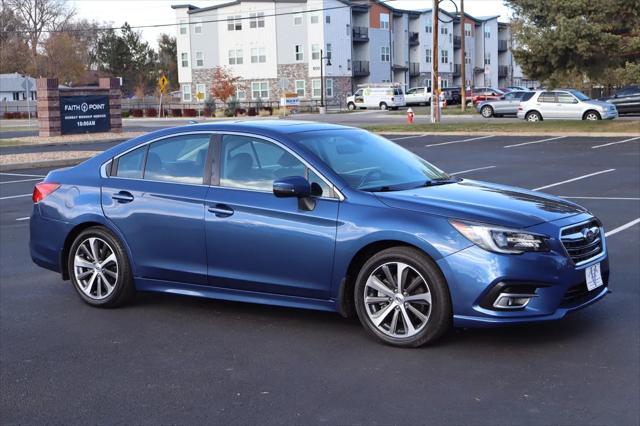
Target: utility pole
463	62
435	56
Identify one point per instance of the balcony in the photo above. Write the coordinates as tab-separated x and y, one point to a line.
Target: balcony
457	70
399	66
360	68
457	42
414	38
478	70
503	70
414	69
502	45
360	34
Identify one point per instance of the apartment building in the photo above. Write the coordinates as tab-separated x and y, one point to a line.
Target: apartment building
270	43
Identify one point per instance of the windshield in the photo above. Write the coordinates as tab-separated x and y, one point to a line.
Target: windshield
369	162
578	94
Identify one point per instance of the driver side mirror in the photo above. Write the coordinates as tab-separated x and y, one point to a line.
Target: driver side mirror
295	186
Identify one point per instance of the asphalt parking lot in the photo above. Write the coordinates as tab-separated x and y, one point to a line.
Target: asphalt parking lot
170	359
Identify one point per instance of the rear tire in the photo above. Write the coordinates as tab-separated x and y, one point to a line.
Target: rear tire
422	298
533	116
99	269
592	115
486	111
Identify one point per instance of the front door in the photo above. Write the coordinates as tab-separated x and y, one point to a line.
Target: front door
258	242
156	197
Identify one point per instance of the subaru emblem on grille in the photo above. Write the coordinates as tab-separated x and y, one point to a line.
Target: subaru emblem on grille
589	234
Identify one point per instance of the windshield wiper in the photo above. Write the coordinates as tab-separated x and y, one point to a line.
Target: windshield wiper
442	181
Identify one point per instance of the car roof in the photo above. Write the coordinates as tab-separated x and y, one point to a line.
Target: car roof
263	127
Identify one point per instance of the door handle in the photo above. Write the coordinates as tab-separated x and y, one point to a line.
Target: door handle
221	210
123	197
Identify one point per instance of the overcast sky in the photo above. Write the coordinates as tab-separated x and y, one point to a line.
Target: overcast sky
152	12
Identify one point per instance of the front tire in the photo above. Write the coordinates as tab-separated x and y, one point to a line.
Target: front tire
99	269
486	111
383	106
402	298
351	106
592	116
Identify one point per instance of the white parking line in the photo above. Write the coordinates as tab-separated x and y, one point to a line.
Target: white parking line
532	142
460	141
615	143
20	180
573	180
601	198
472	170
20	174
15	196
23	218
408	137
622	228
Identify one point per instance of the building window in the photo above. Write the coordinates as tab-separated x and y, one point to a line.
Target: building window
487	58
467	57
467	30
186	93
199	59
384	21
241	94
385	54
200	88
328	51
444	30
197	28
256	20
315	52
487	32
300	88
183	27
327	19
444	56
349	64
315	88
428	29
234	23
329	87
445	83
314	19
428	55
258	55
235	57
299	52
297	20
184	59
260	90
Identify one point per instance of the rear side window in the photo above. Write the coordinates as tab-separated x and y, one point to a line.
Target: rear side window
180	159
547	97
130	165
527	96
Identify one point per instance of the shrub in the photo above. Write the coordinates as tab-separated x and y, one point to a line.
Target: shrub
176	112
151	112
125	114
241	112
219	113
251	112
24	115
190	112
136	112
264	113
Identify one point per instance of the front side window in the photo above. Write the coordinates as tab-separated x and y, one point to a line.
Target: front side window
384	21
252	163
368	162
180	159
566	98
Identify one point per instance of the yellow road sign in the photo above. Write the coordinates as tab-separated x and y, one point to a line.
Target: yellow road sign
162	83
199	96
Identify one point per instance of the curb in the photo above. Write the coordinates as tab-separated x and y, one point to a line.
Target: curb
44	163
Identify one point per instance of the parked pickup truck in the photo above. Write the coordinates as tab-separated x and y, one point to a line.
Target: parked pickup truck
418	96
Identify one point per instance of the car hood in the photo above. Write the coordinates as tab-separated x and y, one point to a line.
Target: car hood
598	103
483	202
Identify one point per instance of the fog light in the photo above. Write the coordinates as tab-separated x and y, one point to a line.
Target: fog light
512	300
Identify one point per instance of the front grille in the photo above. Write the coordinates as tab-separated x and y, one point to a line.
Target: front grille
583	241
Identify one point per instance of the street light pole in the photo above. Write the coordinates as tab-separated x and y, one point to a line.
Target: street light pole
322	58
463	62
435	92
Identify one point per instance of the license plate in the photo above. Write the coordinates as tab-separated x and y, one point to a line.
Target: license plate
594	277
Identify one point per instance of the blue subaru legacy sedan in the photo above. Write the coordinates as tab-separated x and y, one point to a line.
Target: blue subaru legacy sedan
315	216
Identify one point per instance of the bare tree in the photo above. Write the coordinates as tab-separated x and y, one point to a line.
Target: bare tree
39	16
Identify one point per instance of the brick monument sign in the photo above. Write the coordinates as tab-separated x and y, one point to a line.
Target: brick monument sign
79	109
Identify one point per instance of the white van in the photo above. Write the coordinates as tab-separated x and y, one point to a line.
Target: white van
387	97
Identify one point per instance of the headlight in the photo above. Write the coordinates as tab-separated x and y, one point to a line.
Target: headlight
501	240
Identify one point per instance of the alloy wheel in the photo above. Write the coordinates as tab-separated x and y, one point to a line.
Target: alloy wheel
486	112
592	116
95	268
397	300
533	117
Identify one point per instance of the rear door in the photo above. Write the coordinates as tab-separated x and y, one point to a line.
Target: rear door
155	196
546	104
259	242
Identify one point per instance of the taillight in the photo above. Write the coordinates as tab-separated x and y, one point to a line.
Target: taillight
42	190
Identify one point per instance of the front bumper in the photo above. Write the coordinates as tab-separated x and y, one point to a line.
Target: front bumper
609	114
473	273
